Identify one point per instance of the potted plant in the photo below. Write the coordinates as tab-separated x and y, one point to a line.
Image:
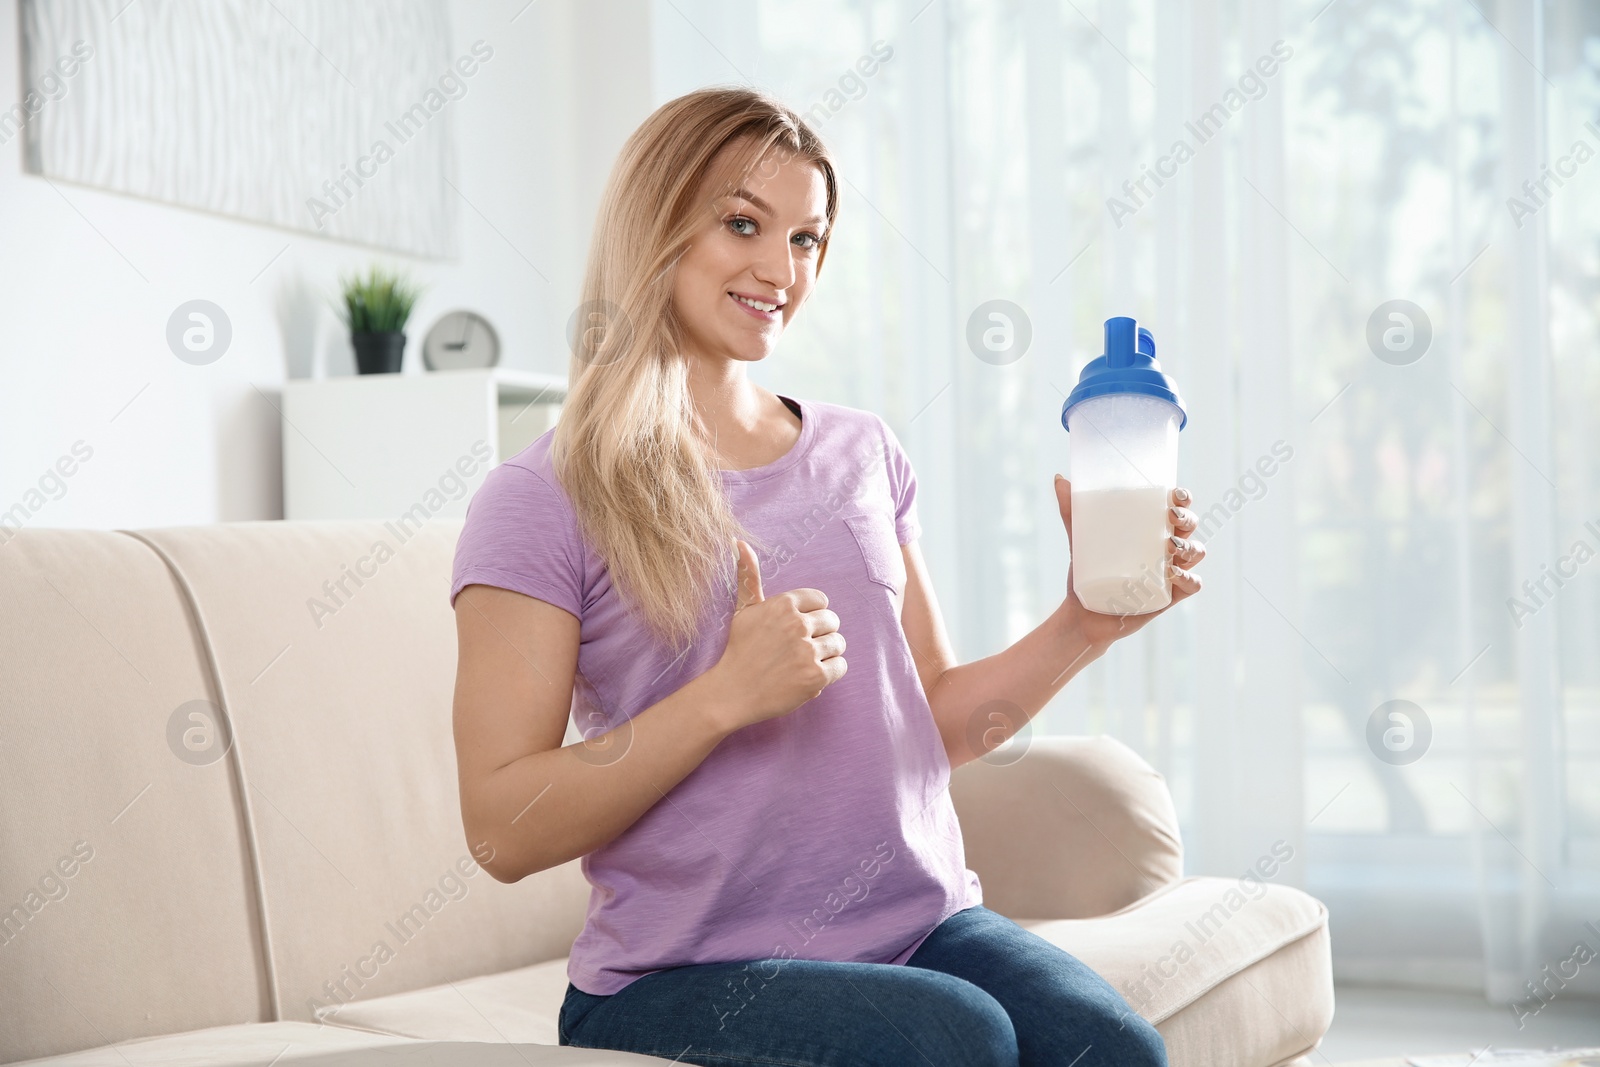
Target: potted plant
376	309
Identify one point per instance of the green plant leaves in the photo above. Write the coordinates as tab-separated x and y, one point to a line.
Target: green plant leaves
379	303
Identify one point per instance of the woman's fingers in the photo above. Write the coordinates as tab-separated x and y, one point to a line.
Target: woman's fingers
829	645
1186	551
1184	584
821	621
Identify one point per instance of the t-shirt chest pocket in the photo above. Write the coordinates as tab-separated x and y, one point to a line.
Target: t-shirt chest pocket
873	533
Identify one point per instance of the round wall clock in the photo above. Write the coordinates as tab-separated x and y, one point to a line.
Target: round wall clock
460	339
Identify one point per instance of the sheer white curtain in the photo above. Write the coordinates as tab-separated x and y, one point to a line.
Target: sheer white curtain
1371	521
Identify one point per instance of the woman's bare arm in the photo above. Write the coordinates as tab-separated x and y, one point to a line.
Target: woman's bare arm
970	701
534	803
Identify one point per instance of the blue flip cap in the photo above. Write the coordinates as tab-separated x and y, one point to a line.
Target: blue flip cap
1128	366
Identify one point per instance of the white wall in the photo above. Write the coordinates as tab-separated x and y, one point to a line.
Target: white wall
88	279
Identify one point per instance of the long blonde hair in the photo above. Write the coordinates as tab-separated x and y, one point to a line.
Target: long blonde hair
632	453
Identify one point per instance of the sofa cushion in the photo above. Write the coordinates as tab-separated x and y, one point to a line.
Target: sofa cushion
1229	971
335	648
1253	985
1291	991
281	1044
252	1044
519	1005
122	852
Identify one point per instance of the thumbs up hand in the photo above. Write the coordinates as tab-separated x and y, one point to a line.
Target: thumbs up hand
749	578
781	651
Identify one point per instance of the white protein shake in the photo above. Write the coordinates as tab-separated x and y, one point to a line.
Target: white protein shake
1123	417
1117	533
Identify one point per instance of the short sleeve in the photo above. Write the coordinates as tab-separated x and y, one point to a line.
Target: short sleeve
902	486
520	534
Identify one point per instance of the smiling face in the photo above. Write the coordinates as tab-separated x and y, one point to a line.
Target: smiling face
752	265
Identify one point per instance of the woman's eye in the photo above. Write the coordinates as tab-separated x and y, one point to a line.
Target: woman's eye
746	227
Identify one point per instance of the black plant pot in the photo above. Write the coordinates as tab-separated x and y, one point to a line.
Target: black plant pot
379	353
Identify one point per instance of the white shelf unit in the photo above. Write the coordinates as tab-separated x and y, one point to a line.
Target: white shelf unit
374	446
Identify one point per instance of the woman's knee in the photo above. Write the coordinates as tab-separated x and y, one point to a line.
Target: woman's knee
965	1026
1130	1041
1089	1025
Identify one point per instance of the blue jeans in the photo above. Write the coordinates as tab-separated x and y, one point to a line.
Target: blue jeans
979	992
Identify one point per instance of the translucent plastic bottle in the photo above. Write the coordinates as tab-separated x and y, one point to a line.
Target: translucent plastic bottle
1124	417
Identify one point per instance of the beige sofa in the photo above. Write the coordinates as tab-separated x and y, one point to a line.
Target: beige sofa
172	900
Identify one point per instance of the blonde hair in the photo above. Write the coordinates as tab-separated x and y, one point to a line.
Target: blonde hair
632	453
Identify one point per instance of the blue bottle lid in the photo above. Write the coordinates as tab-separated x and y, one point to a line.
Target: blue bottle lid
1128	366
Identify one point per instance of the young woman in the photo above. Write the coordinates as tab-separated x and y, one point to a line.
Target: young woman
776	867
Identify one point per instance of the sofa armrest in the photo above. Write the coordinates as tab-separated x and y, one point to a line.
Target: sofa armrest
1076	828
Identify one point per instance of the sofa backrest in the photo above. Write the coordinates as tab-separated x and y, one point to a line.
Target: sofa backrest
320	859
116	858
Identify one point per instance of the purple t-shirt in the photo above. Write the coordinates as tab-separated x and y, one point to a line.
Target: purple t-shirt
827	833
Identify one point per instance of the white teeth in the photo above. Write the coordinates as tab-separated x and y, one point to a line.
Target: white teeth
757	304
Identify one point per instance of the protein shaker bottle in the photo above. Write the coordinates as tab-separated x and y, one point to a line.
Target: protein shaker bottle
1124	417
